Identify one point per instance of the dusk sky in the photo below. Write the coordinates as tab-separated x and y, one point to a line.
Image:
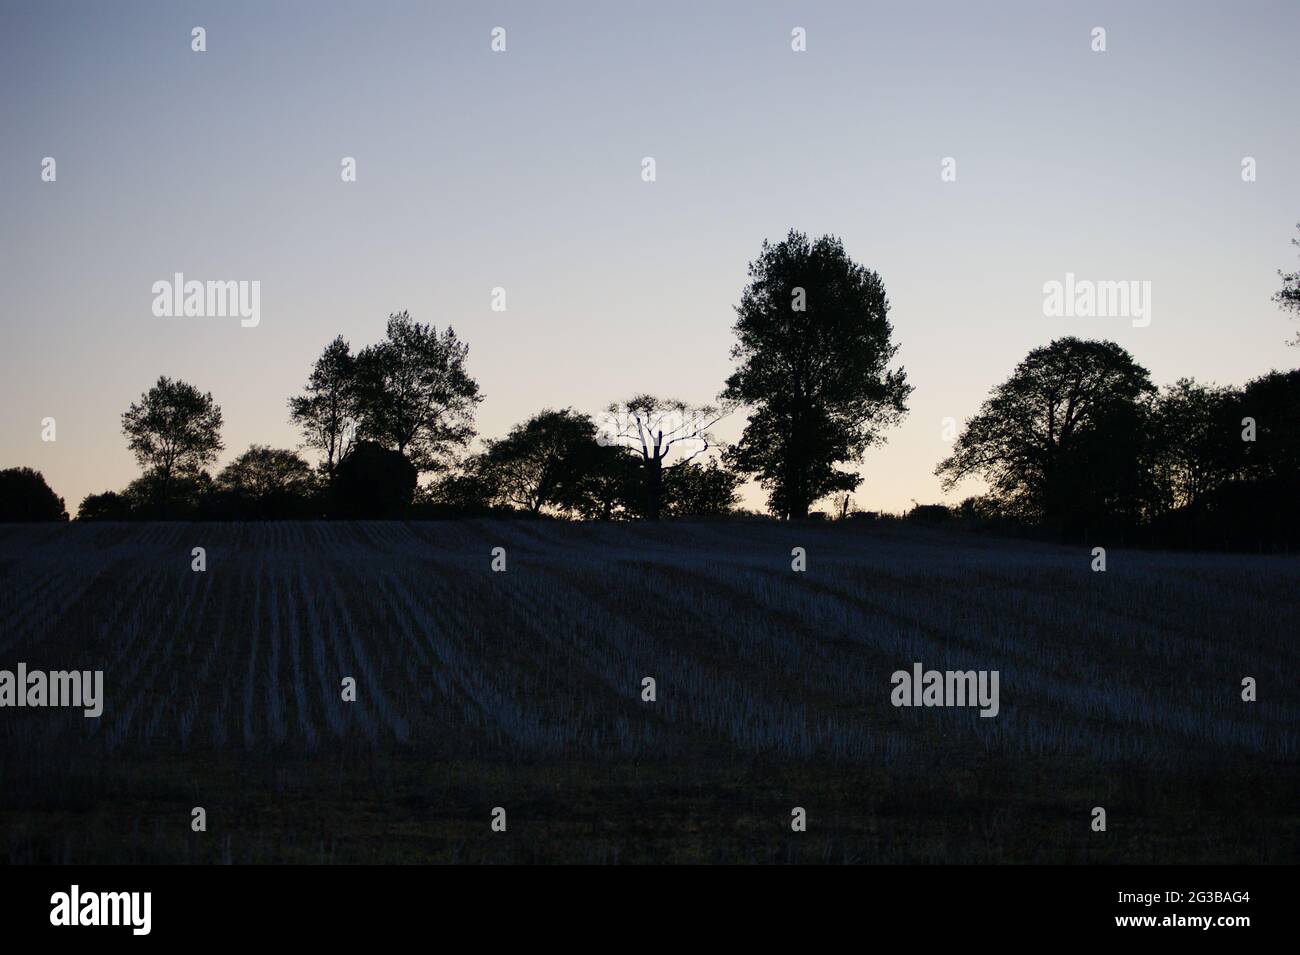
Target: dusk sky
522	170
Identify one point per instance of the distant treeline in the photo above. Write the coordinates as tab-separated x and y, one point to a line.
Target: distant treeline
1077	443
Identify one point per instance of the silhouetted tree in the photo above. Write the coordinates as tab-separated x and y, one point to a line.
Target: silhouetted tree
108	506
414	394
1288	296
373	482
174	430
655	429
541	462
462	493
266	483
1196	446
1273	402
1064	438
612	485
701	490
24	496
1259	508
326	411
814	345
185	496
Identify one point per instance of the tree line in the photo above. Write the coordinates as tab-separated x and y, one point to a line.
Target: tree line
1078	440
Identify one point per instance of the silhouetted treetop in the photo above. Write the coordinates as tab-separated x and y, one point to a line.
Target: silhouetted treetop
814	347
174	430
413	393
25	496
327	409
541	463
1060	431
661	434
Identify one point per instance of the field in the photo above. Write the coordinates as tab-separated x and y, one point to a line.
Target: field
522	689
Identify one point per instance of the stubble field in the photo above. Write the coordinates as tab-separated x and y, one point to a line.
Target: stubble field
523	690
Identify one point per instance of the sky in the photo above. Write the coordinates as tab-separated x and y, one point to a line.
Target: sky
522	170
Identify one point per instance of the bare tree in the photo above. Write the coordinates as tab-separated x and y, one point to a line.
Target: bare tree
657	429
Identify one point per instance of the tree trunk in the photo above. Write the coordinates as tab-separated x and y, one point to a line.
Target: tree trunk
654	484
164	494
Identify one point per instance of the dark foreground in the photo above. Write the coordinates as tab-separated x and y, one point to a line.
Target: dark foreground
523	690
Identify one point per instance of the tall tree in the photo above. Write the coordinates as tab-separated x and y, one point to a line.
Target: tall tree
1061	437
414	394
664	433
813	346
175	431
326	411
1288	296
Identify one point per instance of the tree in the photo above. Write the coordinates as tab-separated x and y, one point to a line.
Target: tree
655	429
267	483
541	462
109	506
1196	444
1273	402
1260	506
326	411
611	486
813	346
413	393
1063	436
174	430
1288	296
262	472
701	490
186	495
25	497
461	493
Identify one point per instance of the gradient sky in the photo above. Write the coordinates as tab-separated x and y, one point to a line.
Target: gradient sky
522	170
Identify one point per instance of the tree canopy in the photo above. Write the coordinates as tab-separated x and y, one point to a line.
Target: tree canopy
1060	436
414	394
174	431
814	344
327	409
662	434
24	496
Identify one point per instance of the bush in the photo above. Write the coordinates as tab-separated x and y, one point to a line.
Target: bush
929	514
372	482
